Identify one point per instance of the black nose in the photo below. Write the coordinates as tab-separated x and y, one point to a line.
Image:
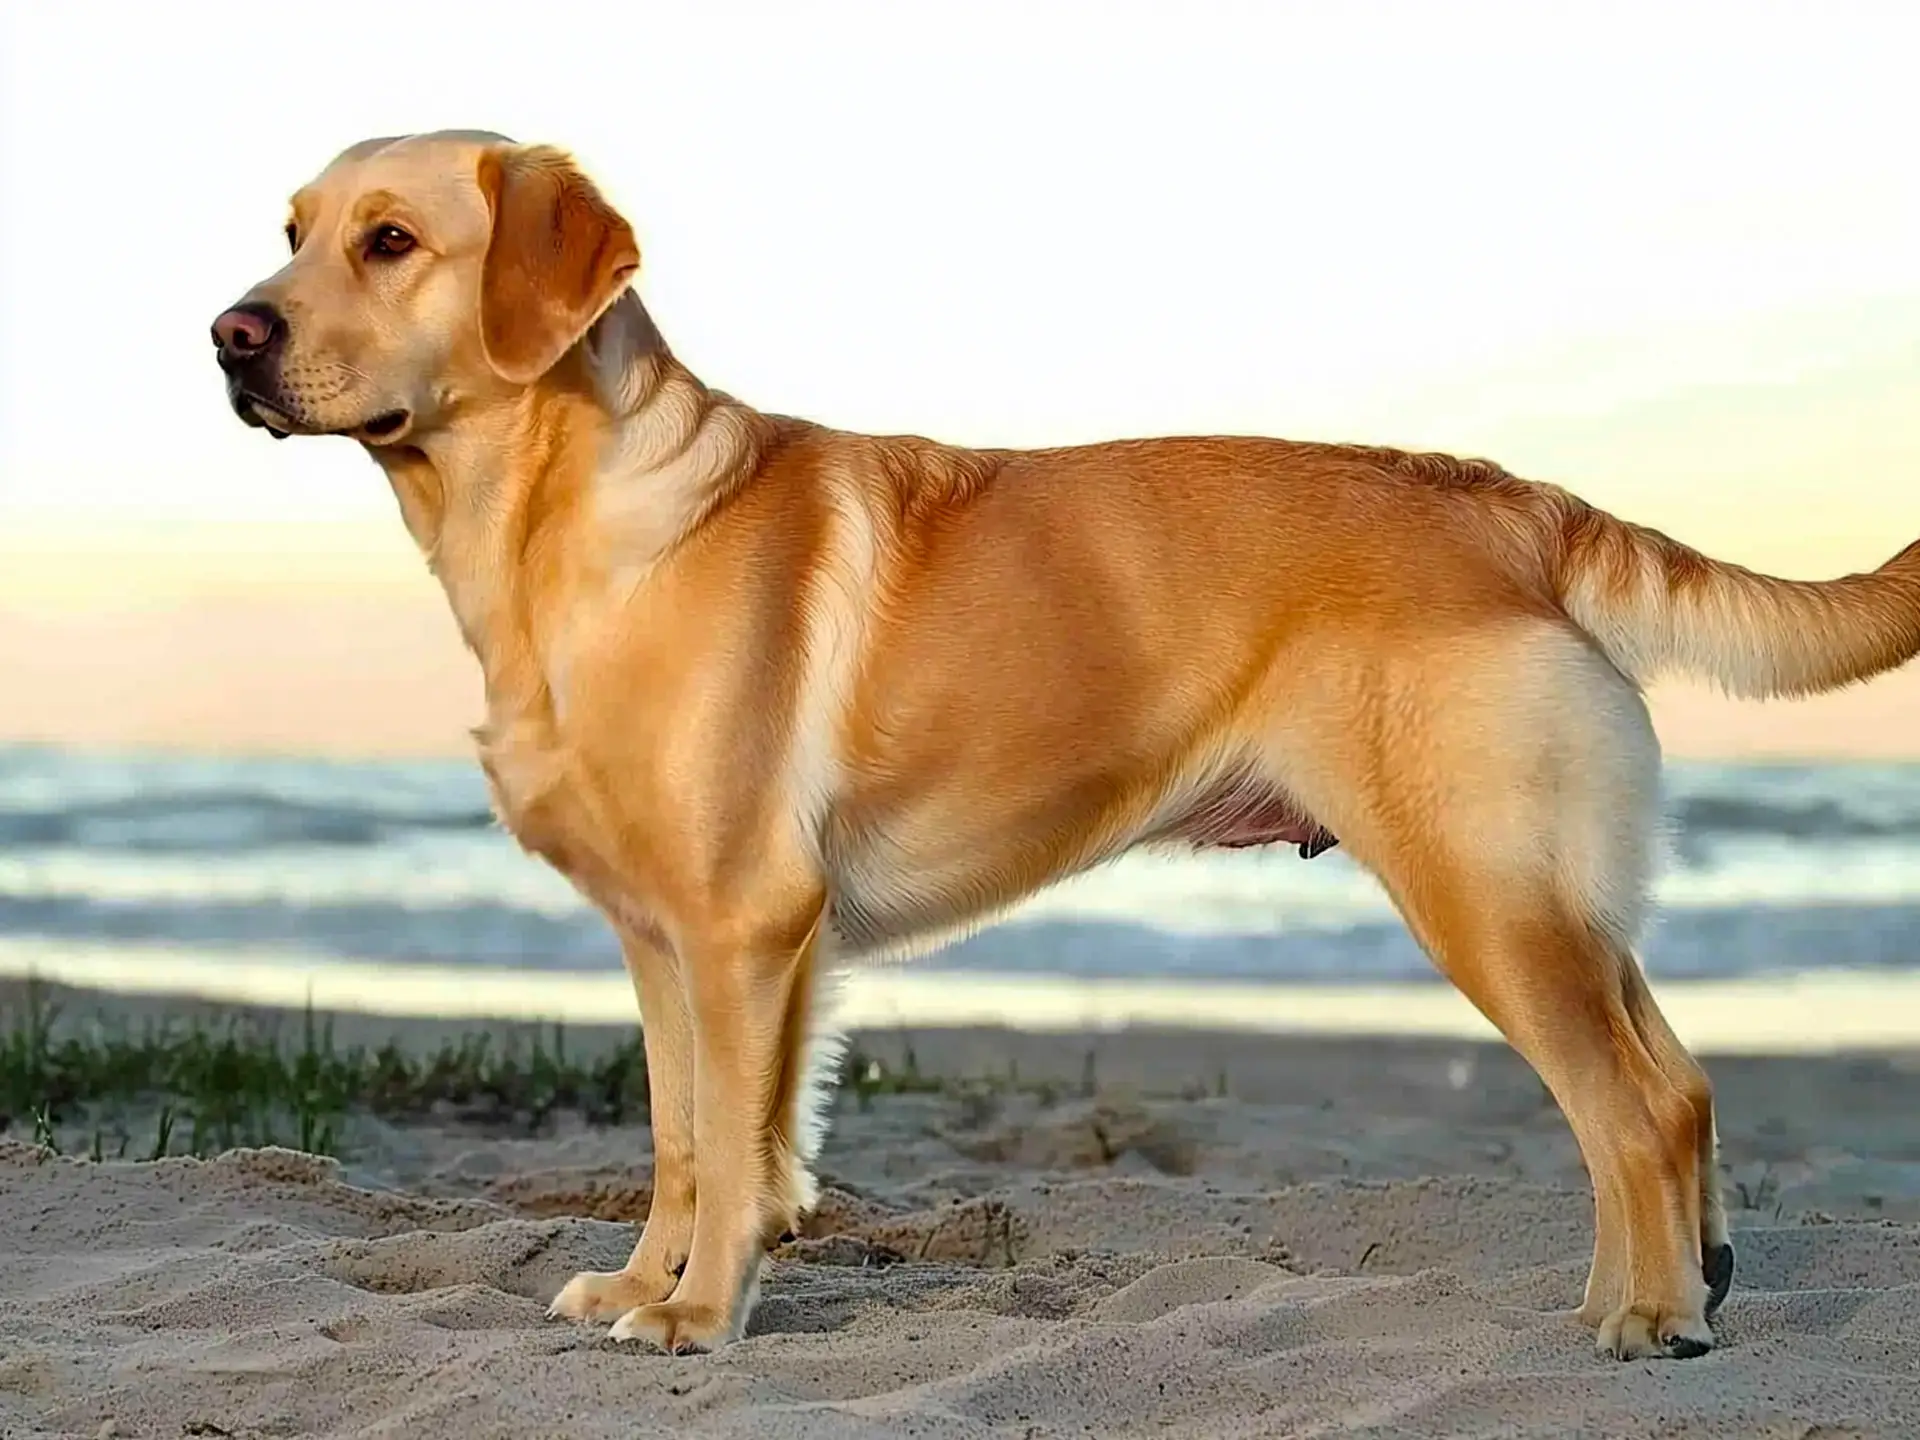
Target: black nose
246	331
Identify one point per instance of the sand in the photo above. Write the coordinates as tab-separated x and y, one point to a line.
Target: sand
1180	1233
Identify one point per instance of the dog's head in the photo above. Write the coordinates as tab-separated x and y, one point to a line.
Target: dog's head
429	274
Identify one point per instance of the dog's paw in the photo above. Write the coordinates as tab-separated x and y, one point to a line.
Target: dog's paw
1641	1333
676	1327
606	1295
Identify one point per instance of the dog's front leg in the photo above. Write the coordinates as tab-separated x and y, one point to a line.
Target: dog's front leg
654	1268
749	994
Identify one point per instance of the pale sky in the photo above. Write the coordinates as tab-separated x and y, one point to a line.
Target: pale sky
1000	223
1668	254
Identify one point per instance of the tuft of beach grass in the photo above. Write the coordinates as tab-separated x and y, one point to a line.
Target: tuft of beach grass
201	1086
229	1082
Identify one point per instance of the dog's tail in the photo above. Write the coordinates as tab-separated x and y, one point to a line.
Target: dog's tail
1658	607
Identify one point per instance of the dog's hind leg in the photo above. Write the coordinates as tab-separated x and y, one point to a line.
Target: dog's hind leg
1509	808
1687	1076
1554	989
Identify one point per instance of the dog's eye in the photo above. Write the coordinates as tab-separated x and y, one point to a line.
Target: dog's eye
293	237
390	240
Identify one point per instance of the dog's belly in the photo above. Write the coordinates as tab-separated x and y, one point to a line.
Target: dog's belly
1245	811
907	903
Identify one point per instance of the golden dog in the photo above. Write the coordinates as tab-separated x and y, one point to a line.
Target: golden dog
777	698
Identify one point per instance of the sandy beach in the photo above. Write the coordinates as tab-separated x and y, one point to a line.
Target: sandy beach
1127	1233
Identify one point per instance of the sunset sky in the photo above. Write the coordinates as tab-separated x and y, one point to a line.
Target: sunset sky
1669	256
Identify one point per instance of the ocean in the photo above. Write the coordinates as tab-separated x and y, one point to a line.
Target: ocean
1772	870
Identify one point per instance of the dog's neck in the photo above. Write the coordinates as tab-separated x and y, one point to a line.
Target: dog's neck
674	450
581	483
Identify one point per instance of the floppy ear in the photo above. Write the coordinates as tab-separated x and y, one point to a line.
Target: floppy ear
558	256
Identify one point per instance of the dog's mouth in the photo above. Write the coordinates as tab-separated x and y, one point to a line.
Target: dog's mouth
382	429
262	415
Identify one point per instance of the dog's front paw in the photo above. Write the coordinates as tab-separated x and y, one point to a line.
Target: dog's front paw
1640	1332
605	1295
676	1327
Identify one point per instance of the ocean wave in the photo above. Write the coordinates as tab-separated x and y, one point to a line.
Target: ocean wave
1752	940
226	807
235	818
1780	868
472	932
220	821
1702	816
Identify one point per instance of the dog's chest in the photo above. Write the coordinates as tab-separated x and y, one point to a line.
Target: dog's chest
542	798
534	793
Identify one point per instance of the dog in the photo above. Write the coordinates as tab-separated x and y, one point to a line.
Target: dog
778	698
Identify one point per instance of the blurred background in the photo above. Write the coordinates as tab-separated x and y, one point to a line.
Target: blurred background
1668	257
